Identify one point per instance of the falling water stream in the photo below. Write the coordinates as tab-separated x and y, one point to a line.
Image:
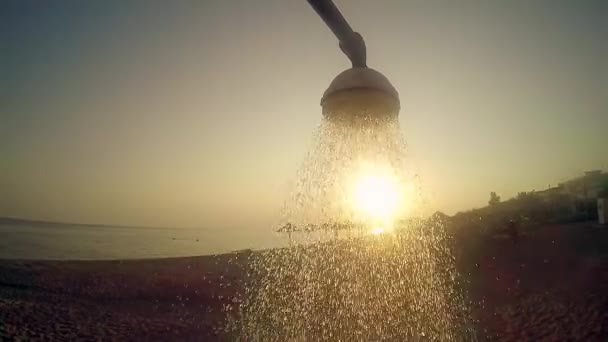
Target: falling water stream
400	284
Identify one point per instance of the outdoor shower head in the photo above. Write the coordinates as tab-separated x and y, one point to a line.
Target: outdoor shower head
360	93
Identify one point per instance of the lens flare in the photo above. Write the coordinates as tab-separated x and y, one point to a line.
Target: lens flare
377	196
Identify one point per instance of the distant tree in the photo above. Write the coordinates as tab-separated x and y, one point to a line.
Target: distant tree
532	206
494	198
527	195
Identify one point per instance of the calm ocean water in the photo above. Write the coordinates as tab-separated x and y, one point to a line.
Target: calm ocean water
102	242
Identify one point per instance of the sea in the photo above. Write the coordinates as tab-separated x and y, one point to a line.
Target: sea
89	242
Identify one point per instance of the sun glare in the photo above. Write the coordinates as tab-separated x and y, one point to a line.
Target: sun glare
377	197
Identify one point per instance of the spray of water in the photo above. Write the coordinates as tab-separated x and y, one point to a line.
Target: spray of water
390	279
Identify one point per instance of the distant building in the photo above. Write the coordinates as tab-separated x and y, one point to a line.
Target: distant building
587	186
582	194
558	190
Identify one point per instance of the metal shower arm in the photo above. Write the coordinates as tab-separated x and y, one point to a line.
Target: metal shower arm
351	42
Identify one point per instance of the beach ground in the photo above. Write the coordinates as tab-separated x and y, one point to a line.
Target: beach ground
550	285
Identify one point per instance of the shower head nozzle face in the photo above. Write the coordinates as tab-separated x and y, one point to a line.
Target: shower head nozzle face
360	105
360	94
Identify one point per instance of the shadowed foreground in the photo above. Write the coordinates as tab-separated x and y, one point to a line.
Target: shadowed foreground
551	285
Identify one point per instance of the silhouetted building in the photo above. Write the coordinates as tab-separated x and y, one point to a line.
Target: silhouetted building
588	186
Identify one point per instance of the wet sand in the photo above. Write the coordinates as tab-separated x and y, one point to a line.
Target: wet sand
551	285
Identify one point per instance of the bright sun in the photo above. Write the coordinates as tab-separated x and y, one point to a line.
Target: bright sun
377	197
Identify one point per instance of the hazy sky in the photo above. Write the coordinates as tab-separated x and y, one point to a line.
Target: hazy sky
198	113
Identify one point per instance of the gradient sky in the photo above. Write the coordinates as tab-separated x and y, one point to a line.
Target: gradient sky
198	113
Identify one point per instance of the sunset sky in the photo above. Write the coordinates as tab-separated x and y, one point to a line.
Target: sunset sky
199	113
